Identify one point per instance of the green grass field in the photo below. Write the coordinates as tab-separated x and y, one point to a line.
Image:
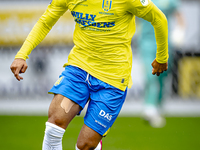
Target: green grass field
128	133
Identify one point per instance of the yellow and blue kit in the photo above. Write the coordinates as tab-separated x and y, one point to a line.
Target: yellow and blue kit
105	100
99	65
102	36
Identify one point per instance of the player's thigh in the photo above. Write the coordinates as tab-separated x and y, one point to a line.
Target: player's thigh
88	138
103	109
72	84
62	110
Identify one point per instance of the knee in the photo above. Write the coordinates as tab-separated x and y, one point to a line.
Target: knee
57	120
85	145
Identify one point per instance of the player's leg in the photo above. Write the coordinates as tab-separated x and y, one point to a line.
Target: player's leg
71	95
152	89
88	139
151	111
61	111
104	106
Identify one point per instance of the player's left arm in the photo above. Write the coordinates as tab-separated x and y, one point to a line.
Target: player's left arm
147	10
160	24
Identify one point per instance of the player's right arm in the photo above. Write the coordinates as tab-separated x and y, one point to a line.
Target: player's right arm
54	11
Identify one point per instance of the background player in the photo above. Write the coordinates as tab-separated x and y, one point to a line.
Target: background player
154	88
99	65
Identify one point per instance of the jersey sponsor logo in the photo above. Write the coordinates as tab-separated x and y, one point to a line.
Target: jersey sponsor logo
89	20
105	13
82	16
106	5
144	2
105	115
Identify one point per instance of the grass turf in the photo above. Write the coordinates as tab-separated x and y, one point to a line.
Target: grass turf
127	133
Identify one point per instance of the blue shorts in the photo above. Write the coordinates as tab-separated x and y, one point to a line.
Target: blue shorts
104	100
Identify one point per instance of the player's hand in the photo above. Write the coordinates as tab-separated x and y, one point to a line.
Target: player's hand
158	68
18	66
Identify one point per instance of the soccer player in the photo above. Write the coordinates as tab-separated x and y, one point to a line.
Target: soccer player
154	88
99	65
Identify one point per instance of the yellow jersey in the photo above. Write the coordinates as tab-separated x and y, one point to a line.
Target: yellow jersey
102	35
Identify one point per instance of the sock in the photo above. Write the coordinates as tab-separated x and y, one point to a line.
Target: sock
99	146
53	137
77	148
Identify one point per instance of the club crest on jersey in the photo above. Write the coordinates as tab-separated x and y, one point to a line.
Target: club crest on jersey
106	5
144	2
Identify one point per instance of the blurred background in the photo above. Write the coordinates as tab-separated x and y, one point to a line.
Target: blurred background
181	96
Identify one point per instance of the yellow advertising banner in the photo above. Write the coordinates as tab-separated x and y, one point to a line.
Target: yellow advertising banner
17	20
189	77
